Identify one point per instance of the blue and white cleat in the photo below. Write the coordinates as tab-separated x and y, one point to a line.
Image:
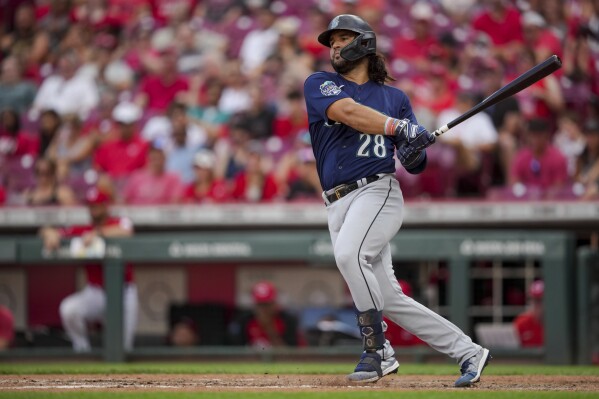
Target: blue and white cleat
473	368
372	368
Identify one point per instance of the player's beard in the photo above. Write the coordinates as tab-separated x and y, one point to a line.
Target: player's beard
343	66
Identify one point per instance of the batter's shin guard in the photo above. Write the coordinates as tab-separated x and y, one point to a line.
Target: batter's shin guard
371	329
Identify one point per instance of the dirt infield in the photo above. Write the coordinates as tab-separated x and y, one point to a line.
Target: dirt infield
293	383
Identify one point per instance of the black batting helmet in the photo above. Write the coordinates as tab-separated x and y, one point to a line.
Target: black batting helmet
363	44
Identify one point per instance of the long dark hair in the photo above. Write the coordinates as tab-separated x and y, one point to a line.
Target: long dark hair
377	69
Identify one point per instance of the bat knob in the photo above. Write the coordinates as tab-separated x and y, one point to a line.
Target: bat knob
441	130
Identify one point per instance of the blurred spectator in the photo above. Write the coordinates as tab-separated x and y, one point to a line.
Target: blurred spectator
166	130
296	63
101	49
235	96
153	185
66	91
259	117
14	143
434	91
266	325
570	140
291	118
296	172
184	333
529	324
539	37
474	142
100	125
89	304
49	123
206	187
305	185
587	168
158	90
259	43
206	111
396	335
507	119
503	113
539	164
47	189
7	328
70	149
255	183
56	21
420	42
15	92
544	99
127	151
27	41
501	21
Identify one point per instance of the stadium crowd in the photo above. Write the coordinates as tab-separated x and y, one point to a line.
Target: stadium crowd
191	101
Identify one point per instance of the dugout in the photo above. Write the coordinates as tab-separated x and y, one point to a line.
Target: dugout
547	254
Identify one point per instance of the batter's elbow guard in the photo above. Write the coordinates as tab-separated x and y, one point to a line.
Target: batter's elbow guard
419	168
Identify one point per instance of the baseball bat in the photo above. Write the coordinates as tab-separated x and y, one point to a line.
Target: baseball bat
528	78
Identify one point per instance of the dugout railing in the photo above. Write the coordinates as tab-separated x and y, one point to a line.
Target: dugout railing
554	252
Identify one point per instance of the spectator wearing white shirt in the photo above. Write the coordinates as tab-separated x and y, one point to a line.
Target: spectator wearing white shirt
260	43
474	142
67	91
159	130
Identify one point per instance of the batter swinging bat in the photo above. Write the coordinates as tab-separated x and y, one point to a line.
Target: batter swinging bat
529	77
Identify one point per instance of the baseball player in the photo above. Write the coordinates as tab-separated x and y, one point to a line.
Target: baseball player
356	124
89	304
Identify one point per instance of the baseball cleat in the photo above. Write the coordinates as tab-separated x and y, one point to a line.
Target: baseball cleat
372	368
473	368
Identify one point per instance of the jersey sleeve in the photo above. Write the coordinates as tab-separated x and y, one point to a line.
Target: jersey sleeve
320	91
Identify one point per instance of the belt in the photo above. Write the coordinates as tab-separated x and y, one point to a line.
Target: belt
342	190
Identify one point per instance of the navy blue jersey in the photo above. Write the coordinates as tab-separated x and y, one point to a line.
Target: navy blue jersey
343	154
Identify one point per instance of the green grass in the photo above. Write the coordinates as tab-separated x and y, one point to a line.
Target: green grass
274	368
301	395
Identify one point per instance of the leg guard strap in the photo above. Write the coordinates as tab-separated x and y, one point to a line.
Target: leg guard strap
371	329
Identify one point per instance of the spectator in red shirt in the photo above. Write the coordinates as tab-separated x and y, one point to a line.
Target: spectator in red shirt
539	165
13	141
153	185
206	187
530	323
416	47
266	325
89	304
539	37
160	89
127	151
254	184
502	23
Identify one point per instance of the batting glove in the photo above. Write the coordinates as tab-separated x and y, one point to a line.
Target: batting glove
413	140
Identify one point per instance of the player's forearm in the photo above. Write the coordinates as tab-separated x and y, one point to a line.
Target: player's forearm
358	116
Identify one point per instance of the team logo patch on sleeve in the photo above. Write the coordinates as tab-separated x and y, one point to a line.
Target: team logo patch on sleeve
329	88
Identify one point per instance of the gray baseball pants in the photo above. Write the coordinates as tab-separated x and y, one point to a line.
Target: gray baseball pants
361	225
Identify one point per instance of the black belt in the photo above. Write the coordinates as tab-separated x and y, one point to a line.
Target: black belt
343	189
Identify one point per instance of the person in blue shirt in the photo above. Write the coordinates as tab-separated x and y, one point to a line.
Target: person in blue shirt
357	124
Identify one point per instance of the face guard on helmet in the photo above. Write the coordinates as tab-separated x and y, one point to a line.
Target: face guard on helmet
362	45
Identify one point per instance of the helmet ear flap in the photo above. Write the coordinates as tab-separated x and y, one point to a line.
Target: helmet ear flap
362	45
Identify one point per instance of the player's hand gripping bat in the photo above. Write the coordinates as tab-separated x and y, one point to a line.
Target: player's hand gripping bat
523	81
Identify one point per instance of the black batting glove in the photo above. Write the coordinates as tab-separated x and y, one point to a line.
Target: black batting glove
413	140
